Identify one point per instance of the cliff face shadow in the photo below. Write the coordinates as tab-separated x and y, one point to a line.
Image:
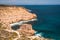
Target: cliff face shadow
15	27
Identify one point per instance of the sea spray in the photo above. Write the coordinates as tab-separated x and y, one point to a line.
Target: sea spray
38	34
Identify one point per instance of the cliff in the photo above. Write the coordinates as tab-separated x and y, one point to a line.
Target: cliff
16	15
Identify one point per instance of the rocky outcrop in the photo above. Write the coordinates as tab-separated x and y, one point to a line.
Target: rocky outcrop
27	33
26	29
14	14
9	15
21	34
6	34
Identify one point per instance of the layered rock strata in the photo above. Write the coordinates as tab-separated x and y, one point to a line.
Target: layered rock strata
11	15
6	34
14	14
26	29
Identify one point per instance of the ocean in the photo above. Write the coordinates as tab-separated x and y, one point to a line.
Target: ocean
48	20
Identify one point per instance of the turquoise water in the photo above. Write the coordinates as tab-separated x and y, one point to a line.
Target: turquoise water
48	22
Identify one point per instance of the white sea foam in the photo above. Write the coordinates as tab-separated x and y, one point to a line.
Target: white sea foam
29	10
38	34
22	22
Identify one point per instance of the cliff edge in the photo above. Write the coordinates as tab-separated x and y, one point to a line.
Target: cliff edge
13	14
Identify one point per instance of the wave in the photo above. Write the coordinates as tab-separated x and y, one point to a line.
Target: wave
22	22
38	34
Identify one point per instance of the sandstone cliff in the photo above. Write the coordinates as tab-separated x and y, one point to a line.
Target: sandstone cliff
14	14
9	15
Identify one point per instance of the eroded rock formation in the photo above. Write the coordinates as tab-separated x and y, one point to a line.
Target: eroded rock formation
26	29
9	15
14	14
6	34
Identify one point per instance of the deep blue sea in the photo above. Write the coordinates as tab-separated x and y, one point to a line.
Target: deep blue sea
48	21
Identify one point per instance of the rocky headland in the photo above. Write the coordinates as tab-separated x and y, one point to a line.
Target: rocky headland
12	15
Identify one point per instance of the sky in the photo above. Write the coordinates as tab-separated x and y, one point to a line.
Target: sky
30	2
